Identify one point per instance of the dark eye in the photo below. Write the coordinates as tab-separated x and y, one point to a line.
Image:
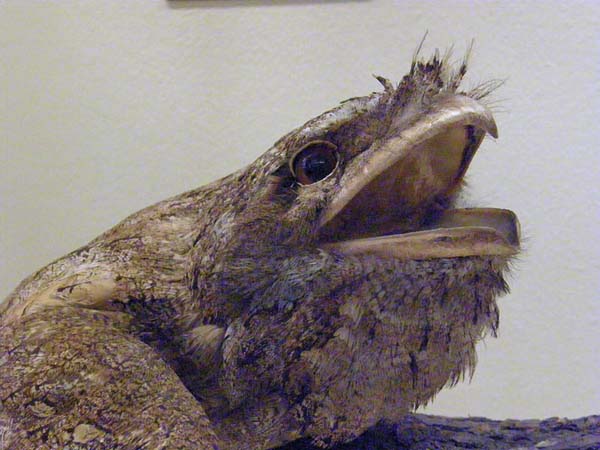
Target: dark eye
314	162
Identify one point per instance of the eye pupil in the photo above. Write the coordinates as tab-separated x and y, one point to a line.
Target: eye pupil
314	162
316	166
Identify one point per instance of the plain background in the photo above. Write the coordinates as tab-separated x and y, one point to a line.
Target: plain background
107	107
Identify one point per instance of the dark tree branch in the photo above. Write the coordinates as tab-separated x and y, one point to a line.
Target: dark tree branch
421	432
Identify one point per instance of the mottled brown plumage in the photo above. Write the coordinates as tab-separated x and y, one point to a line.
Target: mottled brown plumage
325	287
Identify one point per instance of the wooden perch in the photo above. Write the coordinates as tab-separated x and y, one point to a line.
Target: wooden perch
422	432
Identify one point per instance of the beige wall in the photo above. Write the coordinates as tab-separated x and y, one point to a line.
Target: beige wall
108	106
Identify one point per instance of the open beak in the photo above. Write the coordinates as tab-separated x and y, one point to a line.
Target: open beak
384	205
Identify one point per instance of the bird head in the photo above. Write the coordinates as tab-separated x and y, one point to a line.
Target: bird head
344	285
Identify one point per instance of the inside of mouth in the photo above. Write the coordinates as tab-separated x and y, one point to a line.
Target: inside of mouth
410	194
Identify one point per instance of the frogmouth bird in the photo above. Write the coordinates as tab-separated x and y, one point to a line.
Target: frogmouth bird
329	285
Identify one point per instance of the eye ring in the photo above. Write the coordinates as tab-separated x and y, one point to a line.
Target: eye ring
314	162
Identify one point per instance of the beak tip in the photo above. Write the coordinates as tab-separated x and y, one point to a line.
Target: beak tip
490	125
493	131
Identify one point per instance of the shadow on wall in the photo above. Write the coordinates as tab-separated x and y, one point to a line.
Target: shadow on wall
183	4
